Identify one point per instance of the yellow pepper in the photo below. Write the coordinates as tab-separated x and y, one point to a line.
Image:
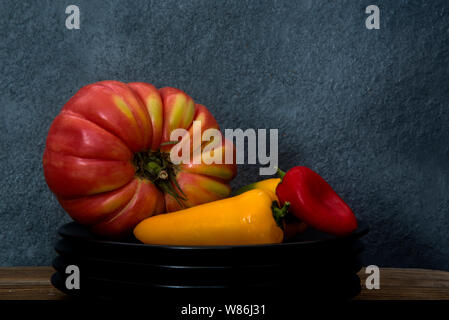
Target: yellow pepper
249	218
292	226
267	185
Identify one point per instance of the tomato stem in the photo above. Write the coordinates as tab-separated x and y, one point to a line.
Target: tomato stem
162	175
157	167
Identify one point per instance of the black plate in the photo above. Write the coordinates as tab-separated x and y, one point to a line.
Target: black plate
338	288
311	244
204	275
308	237
79	250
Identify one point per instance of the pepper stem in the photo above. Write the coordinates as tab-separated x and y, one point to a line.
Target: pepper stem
279	213
280	173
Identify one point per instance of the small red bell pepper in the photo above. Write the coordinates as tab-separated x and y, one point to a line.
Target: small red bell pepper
314	201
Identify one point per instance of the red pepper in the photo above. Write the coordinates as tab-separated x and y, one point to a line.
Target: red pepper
314	201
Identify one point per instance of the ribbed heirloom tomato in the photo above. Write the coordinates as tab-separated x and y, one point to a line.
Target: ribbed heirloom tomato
107	156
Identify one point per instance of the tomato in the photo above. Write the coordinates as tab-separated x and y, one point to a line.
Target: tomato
107	157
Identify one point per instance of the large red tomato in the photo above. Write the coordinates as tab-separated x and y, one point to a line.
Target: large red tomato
107	157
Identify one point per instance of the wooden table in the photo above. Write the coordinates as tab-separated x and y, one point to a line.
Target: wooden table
33	283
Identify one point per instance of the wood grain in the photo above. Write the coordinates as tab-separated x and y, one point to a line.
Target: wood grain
28	283
33	283
408	284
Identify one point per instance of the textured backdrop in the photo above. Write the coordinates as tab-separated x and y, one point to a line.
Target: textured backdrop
367	109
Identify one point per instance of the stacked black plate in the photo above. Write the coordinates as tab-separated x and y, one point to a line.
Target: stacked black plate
313	265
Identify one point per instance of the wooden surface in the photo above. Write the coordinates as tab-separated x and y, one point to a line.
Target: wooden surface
407	284
33	283
28	283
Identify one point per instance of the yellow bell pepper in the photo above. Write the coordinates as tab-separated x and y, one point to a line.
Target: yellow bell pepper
250	218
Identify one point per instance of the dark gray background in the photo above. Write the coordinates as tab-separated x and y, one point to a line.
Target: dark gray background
367	109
